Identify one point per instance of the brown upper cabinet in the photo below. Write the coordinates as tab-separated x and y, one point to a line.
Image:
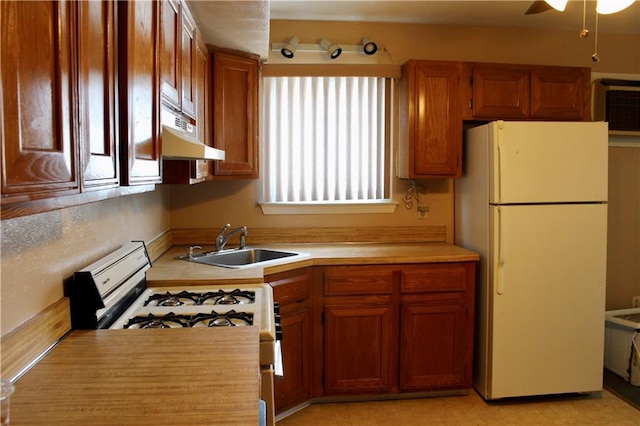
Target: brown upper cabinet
526	92
235	113
139	32
40	155
59	112
430	120
177	57
194	99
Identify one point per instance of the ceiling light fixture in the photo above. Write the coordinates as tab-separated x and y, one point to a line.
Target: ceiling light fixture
605	7
289	48
332	49
369	47
557	4
292	48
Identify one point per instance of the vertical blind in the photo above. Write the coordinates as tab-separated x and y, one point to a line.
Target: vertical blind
324	139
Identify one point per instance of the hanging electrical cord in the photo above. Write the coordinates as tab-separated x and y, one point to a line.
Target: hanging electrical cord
413	194
595	57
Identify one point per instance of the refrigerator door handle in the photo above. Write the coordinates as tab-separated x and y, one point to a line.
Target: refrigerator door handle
501	229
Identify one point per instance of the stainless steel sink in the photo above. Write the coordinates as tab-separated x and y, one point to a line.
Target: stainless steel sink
241	258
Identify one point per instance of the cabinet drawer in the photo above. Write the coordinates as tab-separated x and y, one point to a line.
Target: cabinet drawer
347	280
292	289
434	278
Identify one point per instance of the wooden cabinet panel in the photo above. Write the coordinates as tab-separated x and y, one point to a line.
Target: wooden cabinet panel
416	337
39	156
527	92
433	345
98	138
430	120
358	280
292	290
139	92
501	91
294	387
235	113
187	62
434	278
561	93
170	52
357	355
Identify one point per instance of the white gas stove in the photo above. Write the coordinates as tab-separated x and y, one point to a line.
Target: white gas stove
112	293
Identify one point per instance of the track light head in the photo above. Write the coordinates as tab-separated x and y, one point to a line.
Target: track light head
333	49
369	47
289	48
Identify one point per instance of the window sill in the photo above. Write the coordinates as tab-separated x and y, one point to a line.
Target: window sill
334	208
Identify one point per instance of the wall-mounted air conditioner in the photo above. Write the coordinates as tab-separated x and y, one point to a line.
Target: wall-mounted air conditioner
618	103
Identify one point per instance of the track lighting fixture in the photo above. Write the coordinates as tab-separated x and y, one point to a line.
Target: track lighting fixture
369	47
292	47
289	48
332	49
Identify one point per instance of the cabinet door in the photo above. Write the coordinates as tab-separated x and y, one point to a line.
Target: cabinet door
358	342
170	55
97	135
501	92
433	347
431	120
560	93
39	156
139	92
292	290
295	386
187	62
235	114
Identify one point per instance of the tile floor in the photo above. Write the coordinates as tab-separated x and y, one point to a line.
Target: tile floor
600	408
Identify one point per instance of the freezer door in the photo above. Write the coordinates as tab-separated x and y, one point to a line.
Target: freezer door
546	292
548	162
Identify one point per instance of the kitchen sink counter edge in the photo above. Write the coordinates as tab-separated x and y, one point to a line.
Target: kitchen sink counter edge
168	271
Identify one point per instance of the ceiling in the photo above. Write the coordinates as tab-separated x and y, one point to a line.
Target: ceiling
244	24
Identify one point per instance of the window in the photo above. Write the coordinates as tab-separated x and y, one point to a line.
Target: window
325	140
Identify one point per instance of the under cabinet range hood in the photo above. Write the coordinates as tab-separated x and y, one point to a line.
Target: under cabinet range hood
179	140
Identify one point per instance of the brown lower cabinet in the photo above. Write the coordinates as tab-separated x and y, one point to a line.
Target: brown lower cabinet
374	330
292	290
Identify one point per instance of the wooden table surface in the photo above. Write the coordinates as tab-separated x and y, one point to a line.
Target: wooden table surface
193	376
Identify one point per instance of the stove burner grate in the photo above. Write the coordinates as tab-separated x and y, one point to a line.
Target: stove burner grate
171	320
235	297
173	299
220	297
229	319
161	321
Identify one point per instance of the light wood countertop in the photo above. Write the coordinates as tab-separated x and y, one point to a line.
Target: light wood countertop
167	271
192	376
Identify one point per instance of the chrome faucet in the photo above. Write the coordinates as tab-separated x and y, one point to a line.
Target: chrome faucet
222	239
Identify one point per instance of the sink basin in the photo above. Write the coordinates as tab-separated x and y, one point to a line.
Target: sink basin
240	258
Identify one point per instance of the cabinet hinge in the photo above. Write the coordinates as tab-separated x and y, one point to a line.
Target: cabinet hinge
322	318
471	81
470	103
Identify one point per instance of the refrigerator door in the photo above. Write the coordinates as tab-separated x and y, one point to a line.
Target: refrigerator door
548	162
546	291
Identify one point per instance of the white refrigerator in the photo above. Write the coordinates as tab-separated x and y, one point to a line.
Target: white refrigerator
532	202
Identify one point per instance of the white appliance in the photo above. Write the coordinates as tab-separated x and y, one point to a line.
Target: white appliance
532	202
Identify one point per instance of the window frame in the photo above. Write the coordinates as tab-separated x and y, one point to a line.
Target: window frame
384	206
